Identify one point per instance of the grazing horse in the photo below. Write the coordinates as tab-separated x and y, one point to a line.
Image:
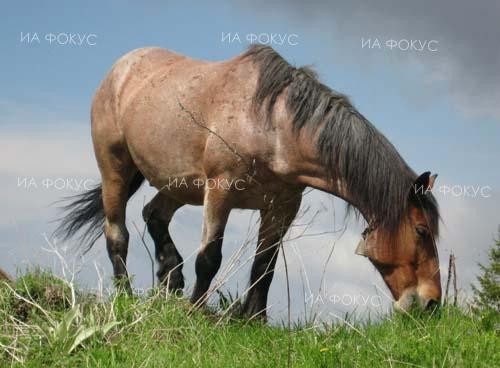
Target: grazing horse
251	132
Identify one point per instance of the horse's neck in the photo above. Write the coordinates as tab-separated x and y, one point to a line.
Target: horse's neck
297	161
335	186
304	167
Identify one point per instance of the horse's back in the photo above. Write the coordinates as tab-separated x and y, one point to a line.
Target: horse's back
129	72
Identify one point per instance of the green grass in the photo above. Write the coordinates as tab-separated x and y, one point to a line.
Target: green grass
43	328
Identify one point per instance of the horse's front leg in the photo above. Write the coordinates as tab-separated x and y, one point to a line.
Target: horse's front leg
216	209
274	224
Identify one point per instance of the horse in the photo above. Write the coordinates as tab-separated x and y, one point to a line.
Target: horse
251	132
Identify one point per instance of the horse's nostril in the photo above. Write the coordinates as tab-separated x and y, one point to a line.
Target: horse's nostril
432	304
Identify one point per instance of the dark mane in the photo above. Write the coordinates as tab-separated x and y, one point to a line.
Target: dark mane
348	145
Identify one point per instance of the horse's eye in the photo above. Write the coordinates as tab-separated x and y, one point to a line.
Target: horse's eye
422	231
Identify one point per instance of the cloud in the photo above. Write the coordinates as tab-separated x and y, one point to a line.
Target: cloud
468	58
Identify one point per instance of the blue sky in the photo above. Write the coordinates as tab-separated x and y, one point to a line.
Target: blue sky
412	97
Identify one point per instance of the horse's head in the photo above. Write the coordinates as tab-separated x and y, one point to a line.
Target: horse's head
407	257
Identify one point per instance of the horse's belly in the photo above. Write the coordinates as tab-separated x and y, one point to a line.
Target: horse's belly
171	166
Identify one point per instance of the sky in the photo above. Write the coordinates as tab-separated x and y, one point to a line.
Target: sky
425	74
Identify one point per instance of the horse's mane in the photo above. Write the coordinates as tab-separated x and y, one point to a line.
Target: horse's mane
348	145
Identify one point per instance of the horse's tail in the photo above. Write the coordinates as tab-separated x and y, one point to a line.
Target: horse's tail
85	211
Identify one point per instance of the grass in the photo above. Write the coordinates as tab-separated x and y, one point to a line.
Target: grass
45	325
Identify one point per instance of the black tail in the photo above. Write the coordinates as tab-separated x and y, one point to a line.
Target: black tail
85	211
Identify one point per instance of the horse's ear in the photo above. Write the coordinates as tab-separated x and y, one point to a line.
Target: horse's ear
432	180
424	183
423	180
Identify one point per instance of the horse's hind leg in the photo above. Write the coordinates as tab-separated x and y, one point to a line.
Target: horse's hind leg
116	187
157	214
120	179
